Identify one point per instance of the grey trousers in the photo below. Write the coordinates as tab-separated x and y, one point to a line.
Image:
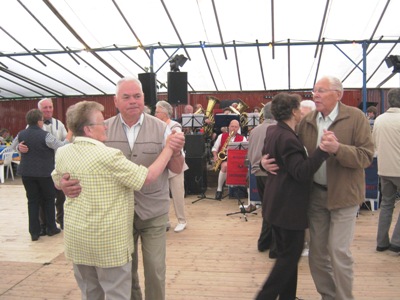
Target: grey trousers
97	283
330	258
389	187
152	234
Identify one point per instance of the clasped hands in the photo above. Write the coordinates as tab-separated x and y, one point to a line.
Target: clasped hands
71	187
175	141
329	143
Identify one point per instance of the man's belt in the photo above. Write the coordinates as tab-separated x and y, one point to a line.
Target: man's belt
321	186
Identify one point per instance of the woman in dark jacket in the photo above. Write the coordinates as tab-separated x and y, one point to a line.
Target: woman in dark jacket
35	168
286	195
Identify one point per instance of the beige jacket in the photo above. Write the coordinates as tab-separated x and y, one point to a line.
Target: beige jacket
386	134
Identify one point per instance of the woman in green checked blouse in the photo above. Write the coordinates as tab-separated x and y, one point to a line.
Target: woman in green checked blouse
98	223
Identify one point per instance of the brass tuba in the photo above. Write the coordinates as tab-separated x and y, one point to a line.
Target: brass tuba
209	126
241	111
242	106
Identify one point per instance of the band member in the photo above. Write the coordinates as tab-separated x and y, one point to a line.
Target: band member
199	109
188	109
219	152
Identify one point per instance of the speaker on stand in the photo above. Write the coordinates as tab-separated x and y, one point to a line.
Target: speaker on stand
149	86
177	88
196	175
194	145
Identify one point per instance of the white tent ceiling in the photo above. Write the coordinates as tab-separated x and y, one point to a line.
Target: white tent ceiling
236	36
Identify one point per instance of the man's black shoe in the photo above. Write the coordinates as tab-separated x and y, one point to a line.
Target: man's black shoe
54	232
42	231
272	255
218	195
262	249
381	249
34	237
394	248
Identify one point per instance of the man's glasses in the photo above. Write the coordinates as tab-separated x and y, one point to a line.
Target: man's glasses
322	91
99	124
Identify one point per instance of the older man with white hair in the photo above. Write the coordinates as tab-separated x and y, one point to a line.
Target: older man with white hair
56	128
222	140
338	188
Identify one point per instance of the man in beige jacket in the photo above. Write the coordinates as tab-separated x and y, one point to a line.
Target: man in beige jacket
386	134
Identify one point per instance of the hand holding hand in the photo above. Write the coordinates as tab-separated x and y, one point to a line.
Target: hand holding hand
176	141
329	142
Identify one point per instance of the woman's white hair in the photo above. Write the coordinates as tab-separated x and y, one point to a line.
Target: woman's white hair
308	103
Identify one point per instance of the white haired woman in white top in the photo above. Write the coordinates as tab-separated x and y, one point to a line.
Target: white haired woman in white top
306	106
164	112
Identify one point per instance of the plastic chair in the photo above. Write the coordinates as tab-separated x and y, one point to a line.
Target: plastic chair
7	155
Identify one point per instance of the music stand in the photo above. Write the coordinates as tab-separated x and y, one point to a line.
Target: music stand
223	120
192	121
237	172
253	119
238	146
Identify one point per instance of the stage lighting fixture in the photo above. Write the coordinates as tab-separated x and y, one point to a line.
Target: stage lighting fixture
393	61
176	62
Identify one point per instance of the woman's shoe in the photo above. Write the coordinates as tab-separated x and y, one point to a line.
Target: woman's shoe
180	227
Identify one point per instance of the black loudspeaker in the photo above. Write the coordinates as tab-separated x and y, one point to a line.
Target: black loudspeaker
393	61
195	176
177	88
194	145
149	85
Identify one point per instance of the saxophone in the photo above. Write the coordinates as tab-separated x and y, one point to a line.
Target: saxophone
222	154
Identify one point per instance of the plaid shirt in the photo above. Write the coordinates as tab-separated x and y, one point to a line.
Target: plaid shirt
98	224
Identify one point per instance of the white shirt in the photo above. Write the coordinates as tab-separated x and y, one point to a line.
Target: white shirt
324	123
133	131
